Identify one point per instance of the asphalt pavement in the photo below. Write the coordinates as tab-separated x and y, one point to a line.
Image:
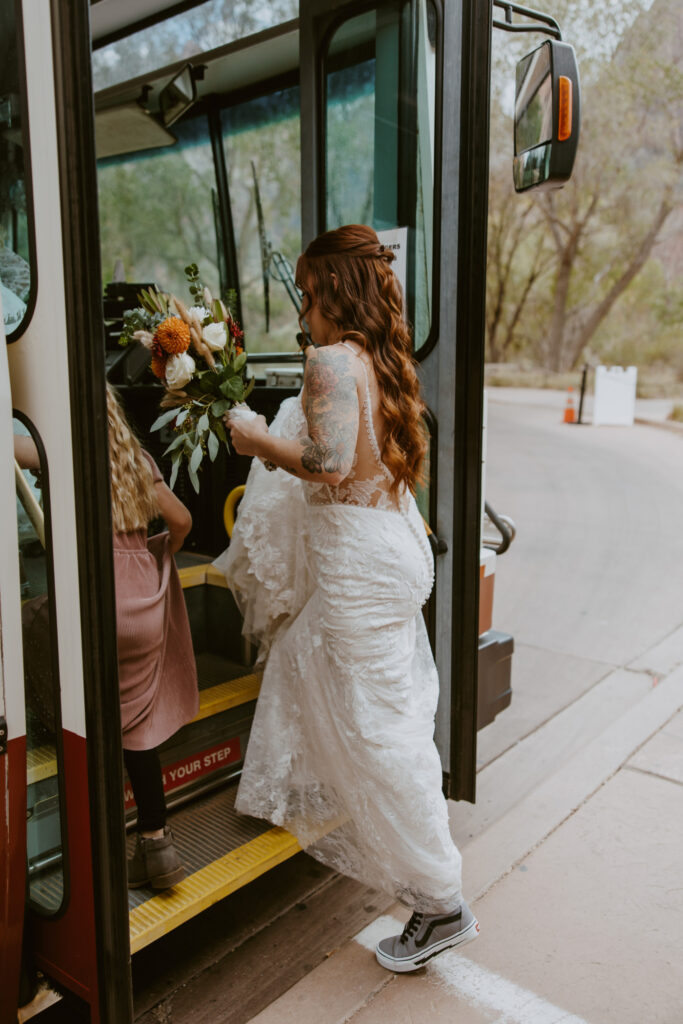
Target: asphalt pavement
572	853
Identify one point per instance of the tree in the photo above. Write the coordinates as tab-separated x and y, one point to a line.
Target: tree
628	180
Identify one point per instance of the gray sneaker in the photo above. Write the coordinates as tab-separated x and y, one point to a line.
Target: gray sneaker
424	936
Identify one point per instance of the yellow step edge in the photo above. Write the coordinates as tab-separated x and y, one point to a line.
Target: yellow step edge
198	575
228	695
192	576
41	763
215	578
162	913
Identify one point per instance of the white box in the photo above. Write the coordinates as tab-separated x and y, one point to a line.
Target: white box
615	396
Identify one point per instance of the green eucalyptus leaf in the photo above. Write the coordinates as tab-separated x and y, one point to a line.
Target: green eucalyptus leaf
165	418
240	361
203	424
176	443
194	479
196	458
213	445
219	427
233	389
174	471
249	388
220	406
182	417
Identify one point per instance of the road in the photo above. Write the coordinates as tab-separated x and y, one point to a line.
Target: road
594	578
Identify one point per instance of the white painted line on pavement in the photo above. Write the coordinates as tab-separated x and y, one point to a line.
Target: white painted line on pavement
475	984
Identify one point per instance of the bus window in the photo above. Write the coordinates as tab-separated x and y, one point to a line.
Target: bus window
158	211
44	812
380	77
263	154
16	227
212	23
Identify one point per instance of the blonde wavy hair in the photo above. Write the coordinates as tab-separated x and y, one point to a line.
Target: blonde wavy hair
133	497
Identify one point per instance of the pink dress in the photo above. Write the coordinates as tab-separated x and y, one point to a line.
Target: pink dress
157	671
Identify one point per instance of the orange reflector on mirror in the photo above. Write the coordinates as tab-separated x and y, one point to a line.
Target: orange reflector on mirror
564	124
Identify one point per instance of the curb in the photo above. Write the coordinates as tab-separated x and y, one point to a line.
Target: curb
671	425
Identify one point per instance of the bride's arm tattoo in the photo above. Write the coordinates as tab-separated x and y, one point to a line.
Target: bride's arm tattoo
331	407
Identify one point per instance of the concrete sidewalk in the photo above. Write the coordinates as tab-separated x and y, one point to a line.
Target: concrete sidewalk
579	892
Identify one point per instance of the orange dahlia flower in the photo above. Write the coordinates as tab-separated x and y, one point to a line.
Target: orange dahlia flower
173	335
158	367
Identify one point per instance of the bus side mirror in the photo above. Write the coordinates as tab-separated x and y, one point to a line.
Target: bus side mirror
547	117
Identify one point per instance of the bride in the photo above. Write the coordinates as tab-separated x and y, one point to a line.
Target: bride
330	566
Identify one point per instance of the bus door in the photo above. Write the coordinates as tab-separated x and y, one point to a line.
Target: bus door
49	267
12	719
395	136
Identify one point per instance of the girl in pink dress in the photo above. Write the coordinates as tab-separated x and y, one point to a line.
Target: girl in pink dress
157	672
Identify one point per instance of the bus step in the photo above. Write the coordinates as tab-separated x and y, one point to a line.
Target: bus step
222	851
214	700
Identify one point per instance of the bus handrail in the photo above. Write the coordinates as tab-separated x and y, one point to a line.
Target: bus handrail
553	28
31	506
506	528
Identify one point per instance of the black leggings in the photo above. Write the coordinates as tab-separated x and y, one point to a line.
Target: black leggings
144	772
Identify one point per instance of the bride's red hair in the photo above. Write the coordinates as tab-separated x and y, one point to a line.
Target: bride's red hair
367	304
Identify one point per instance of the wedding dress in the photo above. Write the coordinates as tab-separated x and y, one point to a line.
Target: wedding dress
331	581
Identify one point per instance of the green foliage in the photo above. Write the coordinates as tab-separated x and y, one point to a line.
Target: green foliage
603	286
198	405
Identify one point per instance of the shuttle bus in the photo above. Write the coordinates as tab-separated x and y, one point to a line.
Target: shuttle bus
136	138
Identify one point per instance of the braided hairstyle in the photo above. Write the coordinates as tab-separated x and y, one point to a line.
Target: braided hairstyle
133	498
366	303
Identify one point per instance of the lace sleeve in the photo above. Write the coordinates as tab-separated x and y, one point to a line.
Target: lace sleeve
265	564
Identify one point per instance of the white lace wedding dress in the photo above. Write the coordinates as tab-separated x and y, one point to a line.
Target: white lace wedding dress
331	582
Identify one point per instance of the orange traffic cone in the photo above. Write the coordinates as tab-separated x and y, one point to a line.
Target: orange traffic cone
569	413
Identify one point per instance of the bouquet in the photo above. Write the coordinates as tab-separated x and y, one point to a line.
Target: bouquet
200	387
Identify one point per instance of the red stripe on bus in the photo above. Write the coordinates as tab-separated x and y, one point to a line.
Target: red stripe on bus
12	873
65	946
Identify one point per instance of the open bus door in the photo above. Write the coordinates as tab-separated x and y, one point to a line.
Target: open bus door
393	105
400	91
71	827
12	719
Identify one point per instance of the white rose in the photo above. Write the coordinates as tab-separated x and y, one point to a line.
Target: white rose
179	370
215	336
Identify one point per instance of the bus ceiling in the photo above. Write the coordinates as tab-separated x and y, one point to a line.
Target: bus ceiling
128	116
113	19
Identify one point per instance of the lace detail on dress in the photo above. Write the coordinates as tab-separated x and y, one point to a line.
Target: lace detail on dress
341	748
375	491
